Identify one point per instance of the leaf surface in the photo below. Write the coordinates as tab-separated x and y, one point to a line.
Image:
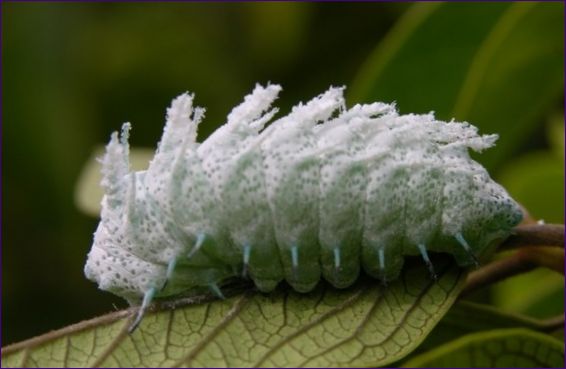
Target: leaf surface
502	348
367	324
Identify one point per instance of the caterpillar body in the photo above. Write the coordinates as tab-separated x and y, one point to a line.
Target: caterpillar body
322	192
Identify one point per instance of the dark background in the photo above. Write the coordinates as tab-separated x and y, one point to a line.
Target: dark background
72	73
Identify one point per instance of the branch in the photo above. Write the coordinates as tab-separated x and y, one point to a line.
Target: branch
539	245
535	235
495	272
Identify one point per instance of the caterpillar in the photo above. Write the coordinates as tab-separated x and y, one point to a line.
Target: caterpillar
323	192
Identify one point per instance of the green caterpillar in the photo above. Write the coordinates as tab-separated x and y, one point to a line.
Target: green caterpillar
322	192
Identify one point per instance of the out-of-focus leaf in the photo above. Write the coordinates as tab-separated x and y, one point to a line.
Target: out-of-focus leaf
468	317
365	325
536	180
539	293
499	66
88	192
502	348
555	135
270	47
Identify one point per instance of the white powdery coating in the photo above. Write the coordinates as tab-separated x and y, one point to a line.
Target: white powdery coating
322	191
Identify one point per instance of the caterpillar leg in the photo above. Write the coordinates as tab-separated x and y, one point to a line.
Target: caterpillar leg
147	298
247	252
295	259
424	254
466	247
216	290
337	258
339	263
381	257
302	270
261	264
170	270
198	244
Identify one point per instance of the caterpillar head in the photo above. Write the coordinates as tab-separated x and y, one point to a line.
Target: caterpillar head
491	215
505	213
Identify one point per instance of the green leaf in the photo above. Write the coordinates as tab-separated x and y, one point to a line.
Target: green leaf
555	134
536	180
88	192
510	348
365	325
498	65
467	317
539	293
472	317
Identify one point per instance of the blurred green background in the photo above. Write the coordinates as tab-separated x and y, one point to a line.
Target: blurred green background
72	73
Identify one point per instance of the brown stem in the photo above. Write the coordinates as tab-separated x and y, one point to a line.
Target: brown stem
495	272
554	323
531	239
535	235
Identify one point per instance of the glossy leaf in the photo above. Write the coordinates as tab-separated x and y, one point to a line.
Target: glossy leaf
498	66
539	293
467	317
536	180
